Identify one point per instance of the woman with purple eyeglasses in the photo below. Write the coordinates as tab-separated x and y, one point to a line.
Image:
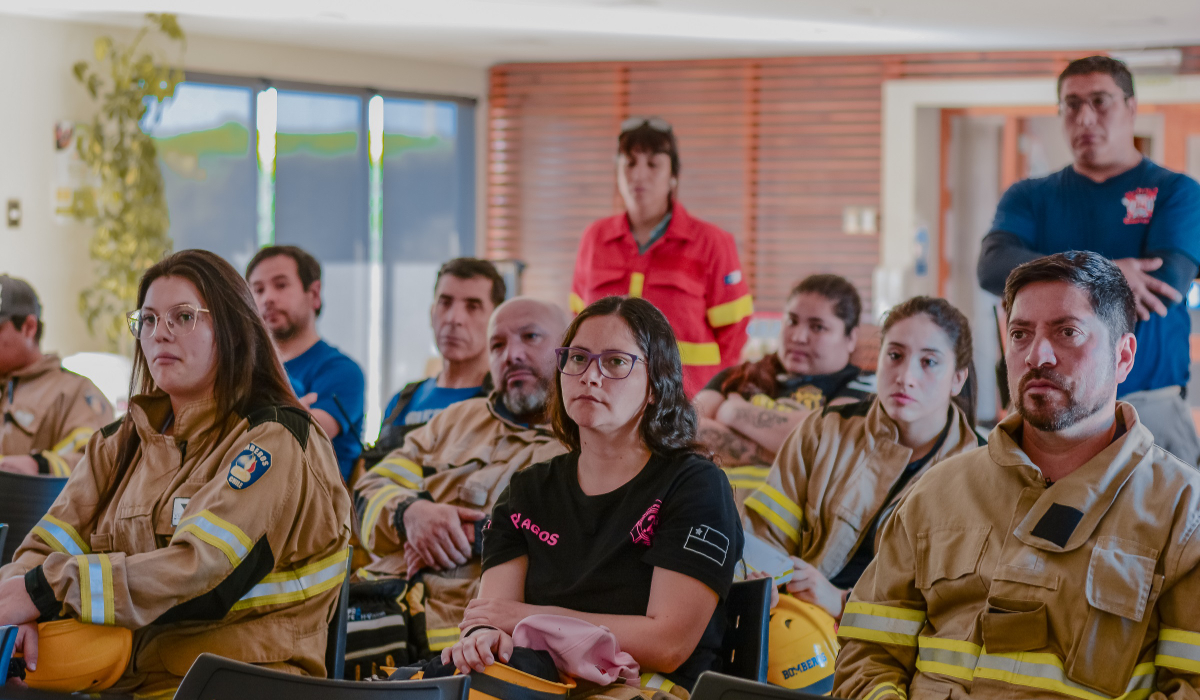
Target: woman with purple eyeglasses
631	529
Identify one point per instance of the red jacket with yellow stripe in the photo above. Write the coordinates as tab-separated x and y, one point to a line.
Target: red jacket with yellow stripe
692	274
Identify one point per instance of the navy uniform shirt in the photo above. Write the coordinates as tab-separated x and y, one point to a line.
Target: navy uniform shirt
1142	211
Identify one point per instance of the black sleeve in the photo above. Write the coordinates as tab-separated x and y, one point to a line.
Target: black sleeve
715	383
1000	254
502	540
1178	270
698	532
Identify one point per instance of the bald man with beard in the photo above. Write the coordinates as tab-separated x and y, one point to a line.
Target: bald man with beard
421	509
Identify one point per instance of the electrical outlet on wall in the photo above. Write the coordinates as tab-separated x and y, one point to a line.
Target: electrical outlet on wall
12	213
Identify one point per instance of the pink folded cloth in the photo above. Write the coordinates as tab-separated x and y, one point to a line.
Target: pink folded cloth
580	649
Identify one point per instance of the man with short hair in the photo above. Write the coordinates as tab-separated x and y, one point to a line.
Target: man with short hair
1115	202
1062	560
49	413
465	293
286	284
422	508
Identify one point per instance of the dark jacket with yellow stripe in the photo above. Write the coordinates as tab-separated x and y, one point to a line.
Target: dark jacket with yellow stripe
229	540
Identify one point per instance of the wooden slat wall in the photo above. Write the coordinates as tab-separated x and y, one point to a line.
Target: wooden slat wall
771	149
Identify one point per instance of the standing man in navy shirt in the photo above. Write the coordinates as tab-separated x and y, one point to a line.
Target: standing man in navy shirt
1115	202
286	283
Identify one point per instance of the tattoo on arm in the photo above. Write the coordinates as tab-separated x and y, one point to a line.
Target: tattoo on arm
762	418
731	449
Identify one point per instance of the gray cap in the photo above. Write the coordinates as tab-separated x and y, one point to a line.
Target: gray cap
17	298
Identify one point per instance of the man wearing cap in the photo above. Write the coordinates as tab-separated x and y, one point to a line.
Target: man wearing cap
1062	560
48	412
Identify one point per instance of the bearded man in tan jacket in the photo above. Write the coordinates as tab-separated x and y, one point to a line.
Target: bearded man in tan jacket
422	508
1062	559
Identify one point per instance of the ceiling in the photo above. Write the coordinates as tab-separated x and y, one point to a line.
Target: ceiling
483	32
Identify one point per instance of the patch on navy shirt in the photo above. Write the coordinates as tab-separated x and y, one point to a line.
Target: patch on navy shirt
708	543
1139	205
248	467
733	277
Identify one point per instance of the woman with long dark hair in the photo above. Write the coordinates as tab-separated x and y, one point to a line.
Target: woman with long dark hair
212	516
840	474
631	529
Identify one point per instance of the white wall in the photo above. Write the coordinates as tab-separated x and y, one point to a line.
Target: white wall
37	89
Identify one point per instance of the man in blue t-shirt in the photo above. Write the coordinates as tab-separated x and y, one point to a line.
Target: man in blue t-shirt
465	293
1115	202
286	283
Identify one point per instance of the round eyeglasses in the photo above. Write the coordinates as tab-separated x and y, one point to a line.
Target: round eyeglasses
181	320
613	364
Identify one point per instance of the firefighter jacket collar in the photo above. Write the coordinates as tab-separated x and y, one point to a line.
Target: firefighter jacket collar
47	363
151	411
680	226
1089	490
502	414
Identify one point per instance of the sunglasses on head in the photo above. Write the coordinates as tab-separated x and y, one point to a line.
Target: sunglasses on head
656	123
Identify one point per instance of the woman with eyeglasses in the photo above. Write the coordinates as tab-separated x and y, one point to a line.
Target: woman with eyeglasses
656	250
631	529
212	517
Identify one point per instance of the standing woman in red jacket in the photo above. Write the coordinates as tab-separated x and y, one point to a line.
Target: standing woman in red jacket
686	267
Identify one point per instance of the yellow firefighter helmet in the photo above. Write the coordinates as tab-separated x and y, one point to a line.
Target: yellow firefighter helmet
803	645
73	656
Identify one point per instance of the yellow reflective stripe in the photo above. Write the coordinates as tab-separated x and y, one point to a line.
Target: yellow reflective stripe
402	471
441	638
1178	649
730	312
60	536
219	533
699	354
298	584
636	281
885	689
73	442
365	575
373	510
576	303
777	509
948	657
881	623
657	682
58	465
747	477
96	600
1045	672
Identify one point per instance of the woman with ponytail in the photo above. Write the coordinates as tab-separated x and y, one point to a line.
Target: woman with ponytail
842	472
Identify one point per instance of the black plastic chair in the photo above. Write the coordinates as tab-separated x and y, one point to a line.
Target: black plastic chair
3	535
747	621
718	686
215	678
24	500
335	651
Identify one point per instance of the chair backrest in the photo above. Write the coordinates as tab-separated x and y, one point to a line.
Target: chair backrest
24	500
3	536
747	620
335	651
215	678
718	686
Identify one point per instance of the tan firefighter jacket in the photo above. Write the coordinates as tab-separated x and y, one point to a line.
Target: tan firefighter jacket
464	456
232	543
50	413
989	583
833	475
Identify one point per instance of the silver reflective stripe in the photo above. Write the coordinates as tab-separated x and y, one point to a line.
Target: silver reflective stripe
96	584
222	534
878	623
59	539
961	659
294	587
1012	669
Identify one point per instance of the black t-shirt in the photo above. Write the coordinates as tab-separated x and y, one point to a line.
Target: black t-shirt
814	391
597	554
